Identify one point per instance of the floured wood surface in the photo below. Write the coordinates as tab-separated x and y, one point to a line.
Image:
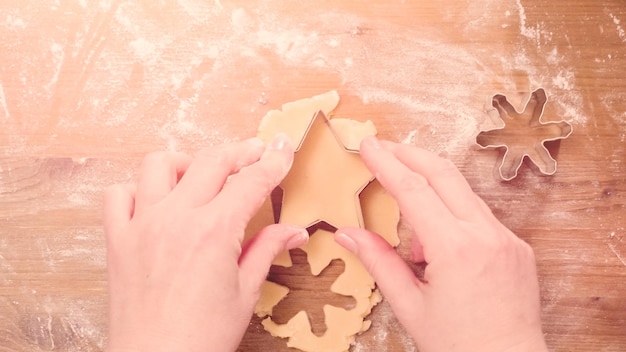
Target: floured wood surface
88	87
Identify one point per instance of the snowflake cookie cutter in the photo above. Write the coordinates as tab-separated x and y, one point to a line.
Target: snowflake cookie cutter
523	134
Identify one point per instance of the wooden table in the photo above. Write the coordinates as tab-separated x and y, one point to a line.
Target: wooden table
88	87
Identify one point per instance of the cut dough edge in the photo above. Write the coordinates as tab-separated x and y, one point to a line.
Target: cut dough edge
380	213
342	324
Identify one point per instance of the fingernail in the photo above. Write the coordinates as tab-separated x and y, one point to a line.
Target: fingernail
372	141
346	242
255	142
298	239
280	142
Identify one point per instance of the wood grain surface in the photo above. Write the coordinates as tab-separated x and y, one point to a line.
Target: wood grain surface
87	87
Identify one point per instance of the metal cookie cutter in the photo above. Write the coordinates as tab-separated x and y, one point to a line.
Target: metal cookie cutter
326	178
523	134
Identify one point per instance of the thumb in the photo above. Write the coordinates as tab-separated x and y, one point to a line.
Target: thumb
261	250
396	280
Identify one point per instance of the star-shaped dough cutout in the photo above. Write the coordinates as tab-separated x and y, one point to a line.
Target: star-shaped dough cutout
523	135
325	179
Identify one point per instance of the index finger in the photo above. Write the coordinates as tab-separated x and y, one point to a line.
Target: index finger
424	210
244	193
443	177
210	169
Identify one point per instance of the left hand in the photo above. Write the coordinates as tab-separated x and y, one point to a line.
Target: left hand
179	279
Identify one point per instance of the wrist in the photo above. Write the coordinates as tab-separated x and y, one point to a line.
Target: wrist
146	339
155	339
534	345
529	342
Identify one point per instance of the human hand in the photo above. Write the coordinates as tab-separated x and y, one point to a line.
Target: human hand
179	279
480	290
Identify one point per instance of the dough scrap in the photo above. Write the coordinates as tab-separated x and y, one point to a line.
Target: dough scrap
351	132
295	117
271	294
380	212
376	210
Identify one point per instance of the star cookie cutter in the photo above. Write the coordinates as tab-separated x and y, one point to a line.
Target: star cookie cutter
331	209
326	147
523	134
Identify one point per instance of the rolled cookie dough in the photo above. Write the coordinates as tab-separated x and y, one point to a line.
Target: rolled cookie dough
375	208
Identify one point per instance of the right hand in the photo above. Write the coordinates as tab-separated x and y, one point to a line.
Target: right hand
480	290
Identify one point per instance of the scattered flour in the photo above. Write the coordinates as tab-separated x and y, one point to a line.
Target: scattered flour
620	30
241	20
365	54
366	64
3	103
617	253
610	101
384	329
616	244
538	34
14	22
58	56
143	49
410	138
531	33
